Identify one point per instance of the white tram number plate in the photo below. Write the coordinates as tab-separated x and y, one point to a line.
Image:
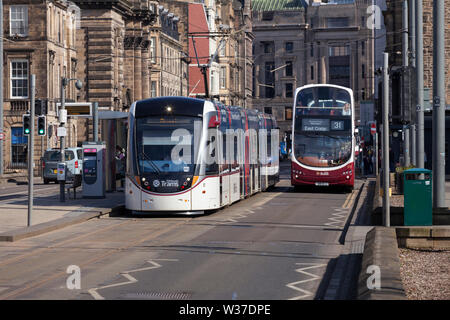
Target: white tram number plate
322	184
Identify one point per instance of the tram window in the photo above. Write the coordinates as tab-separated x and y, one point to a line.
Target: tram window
212	168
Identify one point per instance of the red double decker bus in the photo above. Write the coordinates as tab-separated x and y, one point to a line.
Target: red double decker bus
323	140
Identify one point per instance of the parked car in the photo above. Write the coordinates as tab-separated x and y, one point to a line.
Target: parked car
74	163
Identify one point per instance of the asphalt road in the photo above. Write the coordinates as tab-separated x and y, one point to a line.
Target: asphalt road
12	191
275	245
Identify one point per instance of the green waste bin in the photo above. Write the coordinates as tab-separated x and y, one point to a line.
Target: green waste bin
418	197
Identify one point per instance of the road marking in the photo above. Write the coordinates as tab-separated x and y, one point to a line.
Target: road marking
313	277
70	240
94	291
95	259
350	200
256	206
338	217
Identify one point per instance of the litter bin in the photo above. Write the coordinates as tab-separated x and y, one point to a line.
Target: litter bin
418	197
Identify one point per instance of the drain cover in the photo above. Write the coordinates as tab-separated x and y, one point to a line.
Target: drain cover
157	295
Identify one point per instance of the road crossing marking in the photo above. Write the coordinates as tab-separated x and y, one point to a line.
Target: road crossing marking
233	218
94	291
313	277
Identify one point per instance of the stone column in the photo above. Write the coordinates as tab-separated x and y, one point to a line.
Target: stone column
137	68
145	70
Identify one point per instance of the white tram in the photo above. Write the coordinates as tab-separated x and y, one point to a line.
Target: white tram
189	155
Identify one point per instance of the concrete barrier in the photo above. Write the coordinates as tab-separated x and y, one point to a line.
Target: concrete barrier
381	250
432	237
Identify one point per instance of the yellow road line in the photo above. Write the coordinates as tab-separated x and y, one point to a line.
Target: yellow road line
344	206
350	201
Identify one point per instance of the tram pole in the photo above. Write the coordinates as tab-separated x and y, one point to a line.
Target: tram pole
439	104
31	150
405	62
420	147
386	202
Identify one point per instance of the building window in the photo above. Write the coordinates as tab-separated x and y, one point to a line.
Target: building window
153	89
223	77
337	22
288	113
311	23
267	15
268	110
270	81
288	69
153	49
363	21
363	94
18	146
268	46
18	17
19	79
288	90
335	51
363	71
363	48
312	49
222	49
312	72
289	46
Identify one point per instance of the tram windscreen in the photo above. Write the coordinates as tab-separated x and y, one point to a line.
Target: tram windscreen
323	127
165	144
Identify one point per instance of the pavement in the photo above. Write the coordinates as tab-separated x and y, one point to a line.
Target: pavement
48	212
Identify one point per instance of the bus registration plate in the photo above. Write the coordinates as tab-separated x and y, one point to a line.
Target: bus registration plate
322	184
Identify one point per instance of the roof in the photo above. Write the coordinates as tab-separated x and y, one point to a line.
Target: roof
278	5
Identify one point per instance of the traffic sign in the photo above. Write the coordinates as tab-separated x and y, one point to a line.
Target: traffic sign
373	128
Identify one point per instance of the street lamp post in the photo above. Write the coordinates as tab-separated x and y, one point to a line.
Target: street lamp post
62	123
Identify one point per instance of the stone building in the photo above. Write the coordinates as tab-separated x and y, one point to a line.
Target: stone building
215	25
114	47
299	43
40	39
234	54
169	65
406	100
393	22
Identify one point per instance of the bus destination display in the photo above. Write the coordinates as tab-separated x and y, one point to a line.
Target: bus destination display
322	125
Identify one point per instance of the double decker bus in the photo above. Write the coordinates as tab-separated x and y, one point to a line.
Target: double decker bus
323	140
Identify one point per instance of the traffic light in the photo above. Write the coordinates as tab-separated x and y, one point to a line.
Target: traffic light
41	125
26	119
40	107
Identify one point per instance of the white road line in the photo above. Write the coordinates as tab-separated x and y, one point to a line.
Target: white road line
338	217
247	212
313	277
93	292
